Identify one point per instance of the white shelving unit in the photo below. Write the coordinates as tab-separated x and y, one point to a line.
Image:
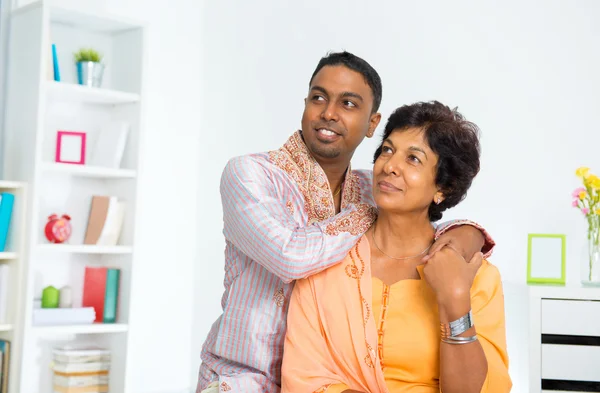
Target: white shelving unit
14	256
36	108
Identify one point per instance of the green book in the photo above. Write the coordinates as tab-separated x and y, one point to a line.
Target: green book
111	295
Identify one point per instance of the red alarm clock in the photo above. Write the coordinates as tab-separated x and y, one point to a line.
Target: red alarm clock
58	229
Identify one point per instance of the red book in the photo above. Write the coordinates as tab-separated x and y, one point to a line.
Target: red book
94	289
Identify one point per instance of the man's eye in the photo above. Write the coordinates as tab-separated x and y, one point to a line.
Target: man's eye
318	98
350	104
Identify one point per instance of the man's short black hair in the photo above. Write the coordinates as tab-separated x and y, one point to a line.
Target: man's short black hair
357	64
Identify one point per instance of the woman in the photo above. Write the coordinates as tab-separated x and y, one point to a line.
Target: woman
385	320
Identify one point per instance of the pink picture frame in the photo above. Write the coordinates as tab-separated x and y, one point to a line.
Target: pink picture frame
70	147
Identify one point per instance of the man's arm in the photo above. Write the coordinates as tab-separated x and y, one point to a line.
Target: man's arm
258	223
465	236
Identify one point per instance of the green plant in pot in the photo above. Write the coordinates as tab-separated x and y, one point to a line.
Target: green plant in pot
89	67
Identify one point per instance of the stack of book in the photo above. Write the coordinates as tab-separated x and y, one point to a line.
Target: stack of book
81	369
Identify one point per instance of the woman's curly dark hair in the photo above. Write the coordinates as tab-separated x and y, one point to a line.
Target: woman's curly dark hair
454	140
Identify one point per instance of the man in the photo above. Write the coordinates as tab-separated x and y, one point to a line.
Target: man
291	213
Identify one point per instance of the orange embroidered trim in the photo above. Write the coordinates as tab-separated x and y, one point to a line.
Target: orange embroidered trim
224	387
355	223
356	273
295	159
279	297
385	300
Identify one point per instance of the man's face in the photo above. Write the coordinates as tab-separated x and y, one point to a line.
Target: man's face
337	114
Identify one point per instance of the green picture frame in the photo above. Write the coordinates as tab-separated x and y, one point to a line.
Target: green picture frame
546	258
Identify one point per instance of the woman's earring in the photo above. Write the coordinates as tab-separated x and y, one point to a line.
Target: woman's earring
438	201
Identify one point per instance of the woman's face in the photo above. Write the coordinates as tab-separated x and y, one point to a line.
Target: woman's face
404	174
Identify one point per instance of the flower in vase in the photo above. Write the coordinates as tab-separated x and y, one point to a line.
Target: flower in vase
577	192
587	196
582	172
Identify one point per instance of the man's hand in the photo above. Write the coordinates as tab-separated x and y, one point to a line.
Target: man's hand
465	239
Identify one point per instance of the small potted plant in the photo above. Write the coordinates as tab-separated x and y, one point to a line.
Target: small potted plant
89	67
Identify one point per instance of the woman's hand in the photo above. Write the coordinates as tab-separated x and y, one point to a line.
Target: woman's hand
451	277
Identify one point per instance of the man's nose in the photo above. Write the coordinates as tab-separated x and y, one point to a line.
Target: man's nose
330	112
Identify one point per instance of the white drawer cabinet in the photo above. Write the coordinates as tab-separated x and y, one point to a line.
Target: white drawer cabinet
564	339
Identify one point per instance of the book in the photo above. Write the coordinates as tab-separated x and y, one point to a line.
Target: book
5	354
63	316
81	354
7	201
84	389
55	63
110	145
101	291
111	297
105	221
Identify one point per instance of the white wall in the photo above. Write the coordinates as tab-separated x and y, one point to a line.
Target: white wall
525	71
171	169
169	189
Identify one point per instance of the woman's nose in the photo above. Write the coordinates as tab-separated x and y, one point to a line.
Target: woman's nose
393	166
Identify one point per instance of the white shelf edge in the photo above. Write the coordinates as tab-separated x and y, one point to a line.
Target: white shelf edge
89	171
6	327
86	249
89	94
7	184
8	255
95	328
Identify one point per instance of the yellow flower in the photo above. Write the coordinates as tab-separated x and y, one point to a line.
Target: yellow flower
582	172
597	212
591	181
582	195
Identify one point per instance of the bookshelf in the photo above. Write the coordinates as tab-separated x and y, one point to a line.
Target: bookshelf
11	329
95	328
59	188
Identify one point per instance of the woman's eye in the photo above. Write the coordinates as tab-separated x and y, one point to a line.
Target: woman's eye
414	159
386	149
